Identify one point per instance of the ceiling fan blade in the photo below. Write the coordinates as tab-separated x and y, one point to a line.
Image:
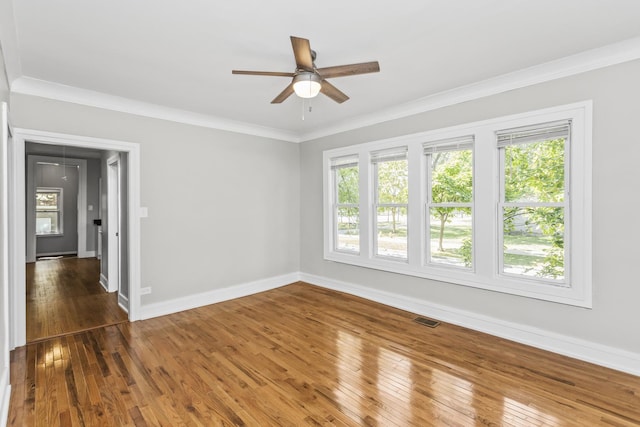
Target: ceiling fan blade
333	92
302	52
349	70
263	73
287	92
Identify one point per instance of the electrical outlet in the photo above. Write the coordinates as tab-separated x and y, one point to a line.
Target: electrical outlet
145	291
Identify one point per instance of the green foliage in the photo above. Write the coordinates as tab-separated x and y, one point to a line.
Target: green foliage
393	182
393	187
535	173
347	183
451	182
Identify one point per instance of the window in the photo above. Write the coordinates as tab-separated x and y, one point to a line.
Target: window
503	204
534	200
391	202
449	204
48	211
346	194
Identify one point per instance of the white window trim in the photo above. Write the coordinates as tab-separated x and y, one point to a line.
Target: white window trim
486	190
60	210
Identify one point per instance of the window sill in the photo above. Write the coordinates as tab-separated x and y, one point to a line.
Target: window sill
525	287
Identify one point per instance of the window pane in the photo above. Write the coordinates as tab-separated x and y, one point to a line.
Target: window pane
452	177
348	229
534	242
47	223
347	185
393	182
534	172
47	200
451	236
391	227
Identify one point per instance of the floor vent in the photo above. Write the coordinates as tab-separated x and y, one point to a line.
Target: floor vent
427	322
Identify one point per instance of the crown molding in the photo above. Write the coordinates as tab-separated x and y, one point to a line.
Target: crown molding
617	53
46	89
625	51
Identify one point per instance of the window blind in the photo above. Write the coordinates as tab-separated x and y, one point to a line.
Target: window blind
540	132
344	162
396	153
450	144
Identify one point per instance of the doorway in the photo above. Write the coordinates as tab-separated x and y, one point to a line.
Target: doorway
17	219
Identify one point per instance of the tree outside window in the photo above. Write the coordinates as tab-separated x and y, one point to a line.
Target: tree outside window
48	211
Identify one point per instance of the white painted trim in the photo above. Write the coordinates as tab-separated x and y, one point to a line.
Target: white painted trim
104	282
89	254
46	89
5	387
5	396
617	53
485	274
217	295
577	348
114	205
17	215
55	253
123	302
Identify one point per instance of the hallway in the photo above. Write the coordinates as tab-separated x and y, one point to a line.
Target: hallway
64	296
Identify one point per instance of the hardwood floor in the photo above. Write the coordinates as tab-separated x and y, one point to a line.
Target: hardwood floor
303	355
64	296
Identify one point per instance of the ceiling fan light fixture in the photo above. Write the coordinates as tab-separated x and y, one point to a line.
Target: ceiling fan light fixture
307	84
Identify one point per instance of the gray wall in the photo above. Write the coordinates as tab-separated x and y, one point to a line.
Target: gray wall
51	176
224	208
613	321
93	199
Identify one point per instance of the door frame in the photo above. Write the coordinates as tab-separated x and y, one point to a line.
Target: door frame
114	223
81	223
17	219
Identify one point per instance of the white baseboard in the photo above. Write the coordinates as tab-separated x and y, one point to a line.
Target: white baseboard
5	396
598	354
104	282
56	253
87	254
214	296
123	302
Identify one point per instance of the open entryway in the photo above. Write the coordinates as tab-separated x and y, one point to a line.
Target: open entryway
70	289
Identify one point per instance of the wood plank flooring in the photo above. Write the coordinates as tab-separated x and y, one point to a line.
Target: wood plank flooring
64	296
306	356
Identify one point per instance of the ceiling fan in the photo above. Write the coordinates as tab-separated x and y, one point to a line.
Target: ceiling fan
308	80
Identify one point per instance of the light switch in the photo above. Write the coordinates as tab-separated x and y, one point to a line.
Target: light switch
90	207
144	212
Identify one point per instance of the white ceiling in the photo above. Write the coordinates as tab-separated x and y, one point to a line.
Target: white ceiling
180	54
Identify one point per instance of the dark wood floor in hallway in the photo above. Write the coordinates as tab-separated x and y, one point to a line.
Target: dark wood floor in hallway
64	296
302	355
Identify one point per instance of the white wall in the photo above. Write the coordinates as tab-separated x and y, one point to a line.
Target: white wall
4	307
223	207
613	321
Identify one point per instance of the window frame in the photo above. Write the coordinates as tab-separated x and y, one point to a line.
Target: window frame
447	145
565	205
59	210
485	274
